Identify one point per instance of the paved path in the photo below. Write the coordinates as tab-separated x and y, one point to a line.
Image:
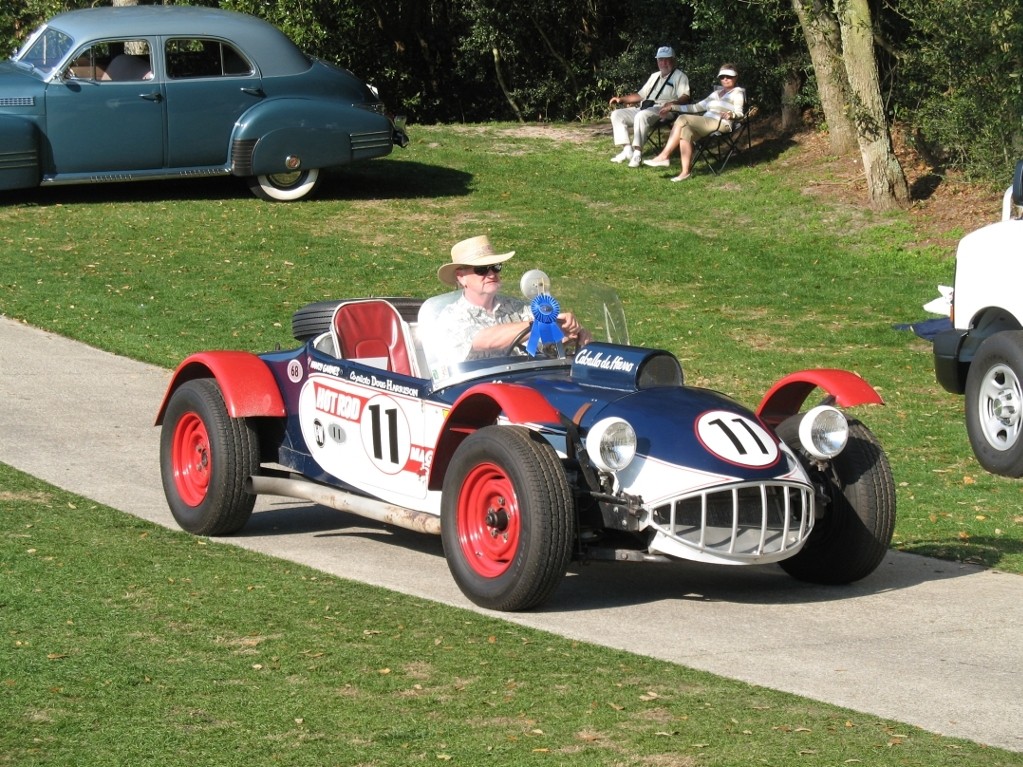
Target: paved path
922	641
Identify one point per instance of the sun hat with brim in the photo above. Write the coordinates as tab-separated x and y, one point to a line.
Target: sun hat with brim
728	72
476	251
665	52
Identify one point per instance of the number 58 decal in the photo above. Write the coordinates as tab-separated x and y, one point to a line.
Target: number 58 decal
737	439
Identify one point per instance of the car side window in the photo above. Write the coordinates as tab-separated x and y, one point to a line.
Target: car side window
199	57
114	60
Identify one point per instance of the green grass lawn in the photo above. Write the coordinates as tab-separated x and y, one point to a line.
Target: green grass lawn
129	644
744	276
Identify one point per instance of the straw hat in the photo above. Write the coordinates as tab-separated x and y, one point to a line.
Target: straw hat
476	251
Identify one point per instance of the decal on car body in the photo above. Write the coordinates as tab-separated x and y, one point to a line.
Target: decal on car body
734	438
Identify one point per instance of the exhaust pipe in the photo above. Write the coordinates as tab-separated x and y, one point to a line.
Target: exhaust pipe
370	508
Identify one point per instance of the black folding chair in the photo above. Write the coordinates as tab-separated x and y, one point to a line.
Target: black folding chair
660	132
719	147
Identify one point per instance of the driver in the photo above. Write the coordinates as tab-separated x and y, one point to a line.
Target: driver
483	322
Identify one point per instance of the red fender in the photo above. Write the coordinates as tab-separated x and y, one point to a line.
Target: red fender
787	396
246	382
480	406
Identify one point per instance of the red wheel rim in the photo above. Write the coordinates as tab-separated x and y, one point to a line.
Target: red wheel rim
489	523
190	459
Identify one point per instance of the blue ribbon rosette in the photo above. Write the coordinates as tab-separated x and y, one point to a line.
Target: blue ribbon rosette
545	330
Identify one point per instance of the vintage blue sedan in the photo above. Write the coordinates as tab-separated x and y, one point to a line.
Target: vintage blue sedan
151	92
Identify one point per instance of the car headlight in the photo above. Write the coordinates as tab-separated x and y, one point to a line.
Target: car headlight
823	432
611	444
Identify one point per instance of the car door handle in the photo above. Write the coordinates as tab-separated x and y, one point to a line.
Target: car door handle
258	92
157	97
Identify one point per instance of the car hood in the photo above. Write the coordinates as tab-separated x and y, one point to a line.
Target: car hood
681	426
676	425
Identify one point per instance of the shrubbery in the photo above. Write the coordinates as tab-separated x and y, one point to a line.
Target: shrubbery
951	69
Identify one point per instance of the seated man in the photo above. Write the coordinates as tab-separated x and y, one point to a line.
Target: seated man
633	122
482	322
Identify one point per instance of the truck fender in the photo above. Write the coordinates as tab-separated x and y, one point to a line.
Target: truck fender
19	163
787	396
480	406
248	386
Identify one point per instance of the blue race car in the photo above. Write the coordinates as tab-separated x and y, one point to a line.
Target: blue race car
522	463
149	92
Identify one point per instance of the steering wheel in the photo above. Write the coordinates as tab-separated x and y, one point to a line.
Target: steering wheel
518	346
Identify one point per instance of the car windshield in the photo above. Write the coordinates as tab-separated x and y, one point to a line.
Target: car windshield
44	50
597	307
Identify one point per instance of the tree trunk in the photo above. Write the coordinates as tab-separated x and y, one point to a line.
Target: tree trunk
886	182
791	115
504	86
824	41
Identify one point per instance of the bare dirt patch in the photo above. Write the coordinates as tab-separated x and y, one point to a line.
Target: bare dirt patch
942	207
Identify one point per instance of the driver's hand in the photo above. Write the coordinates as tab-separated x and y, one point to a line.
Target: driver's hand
573	330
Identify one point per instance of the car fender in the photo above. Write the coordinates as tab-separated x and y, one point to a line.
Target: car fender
245	380
19	153
318	133
787	396
480	406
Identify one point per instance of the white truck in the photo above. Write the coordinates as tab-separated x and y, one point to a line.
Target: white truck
982	356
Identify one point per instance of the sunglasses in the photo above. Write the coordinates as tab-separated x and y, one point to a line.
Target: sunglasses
482	270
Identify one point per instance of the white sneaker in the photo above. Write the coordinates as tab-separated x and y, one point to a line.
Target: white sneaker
625	154
637	159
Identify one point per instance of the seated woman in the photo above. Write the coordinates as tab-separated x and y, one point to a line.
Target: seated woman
714	113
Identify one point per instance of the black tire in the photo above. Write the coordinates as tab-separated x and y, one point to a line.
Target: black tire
852	538
507	518
994	404
285	187
205	458
313	319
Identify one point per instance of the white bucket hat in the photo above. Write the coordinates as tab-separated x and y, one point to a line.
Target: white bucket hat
476	251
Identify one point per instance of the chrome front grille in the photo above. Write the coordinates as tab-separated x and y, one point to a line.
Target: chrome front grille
744	522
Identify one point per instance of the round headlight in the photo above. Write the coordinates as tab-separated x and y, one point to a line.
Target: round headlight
823	432
611	444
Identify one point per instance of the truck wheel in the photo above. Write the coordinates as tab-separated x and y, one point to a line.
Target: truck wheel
285	187
506	518
851	539
994	404
205	458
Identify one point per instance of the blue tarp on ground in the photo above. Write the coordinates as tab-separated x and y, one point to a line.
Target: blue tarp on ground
927	329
